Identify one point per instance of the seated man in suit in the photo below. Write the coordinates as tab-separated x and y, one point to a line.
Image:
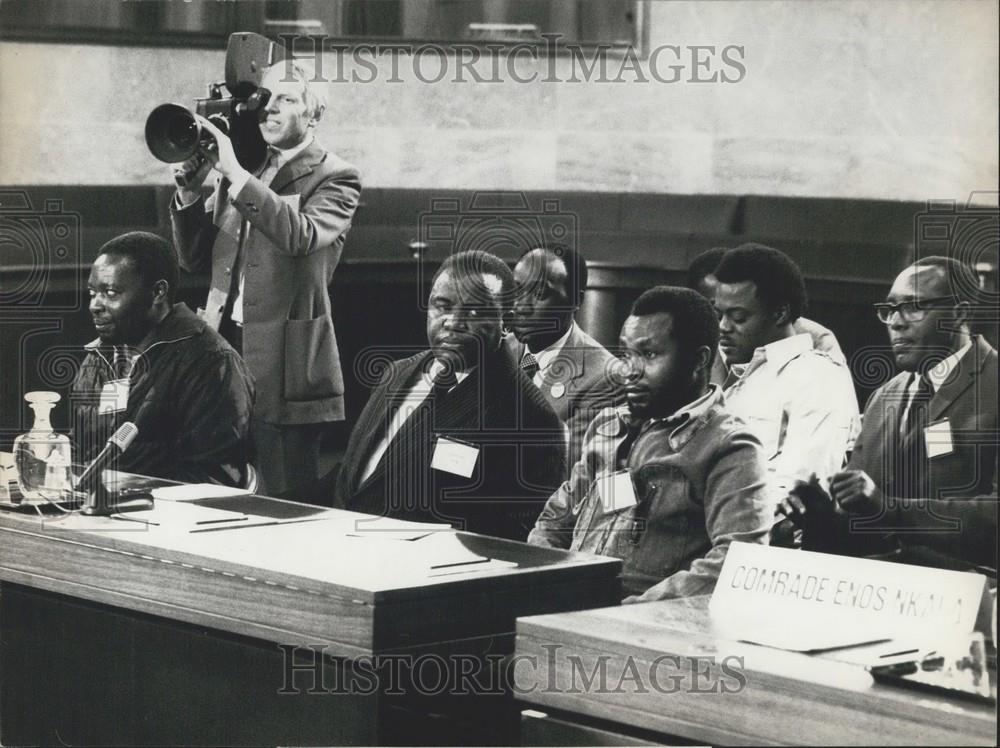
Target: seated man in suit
572	370
922	480
668	482
457	433
158	365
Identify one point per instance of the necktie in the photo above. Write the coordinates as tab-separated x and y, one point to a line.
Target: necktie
529	364
266	176
408	421
916	414
910	472
271	166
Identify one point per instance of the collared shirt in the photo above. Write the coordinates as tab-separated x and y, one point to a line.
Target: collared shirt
127	354
681	419
941	373
548	355
406	407
936	377
823	340
279	157
801	404
123	361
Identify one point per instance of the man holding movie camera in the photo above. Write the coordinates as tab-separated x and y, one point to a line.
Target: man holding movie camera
272	240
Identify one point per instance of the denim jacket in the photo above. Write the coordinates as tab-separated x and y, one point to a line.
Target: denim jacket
700	482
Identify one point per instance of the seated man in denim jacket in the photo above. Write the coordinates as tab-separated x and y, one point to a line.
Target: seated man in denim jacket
668	482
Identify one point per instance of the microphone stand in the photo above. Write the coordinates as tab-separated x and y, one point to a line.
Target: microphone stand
99	502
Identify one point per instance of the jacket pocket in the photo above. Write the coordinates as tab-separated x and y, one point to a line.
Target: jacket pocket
601	532
668	522
312	363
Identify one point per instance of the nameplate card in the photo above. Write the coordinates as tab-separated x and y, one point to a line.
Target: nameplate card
937	439
451	456
616	491
114	396
815	601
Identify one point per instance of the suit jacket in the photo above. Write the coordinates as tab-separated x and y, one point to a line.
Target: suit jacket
521	458
955	523
294	232
577	384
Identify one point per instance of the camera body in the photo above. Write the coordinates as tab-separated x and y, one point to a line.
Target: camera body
174	135
217	107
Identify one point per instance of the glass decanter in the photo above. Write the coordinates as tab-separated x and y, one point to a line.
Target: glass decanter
41	456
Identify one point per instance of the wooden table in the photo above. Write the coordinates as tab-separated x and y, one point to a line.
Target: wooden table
117	633
658	673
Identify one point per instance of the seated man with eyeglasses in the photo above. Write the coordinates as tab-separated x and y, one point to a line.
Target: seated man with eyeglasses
921	483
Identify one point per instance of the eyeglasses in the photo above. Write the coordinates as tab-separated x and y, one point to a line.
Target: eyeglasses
911	311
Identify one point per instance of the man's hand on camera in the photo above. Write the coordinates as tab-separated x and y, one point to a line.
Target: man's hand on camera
190	176
222	156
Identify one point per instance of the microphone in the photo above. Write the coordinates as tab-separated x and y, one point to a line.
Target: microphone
118	442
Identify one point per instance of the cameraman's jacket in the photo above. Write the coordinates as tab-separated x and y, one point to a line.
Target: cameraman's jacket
292	233
700	481
189	395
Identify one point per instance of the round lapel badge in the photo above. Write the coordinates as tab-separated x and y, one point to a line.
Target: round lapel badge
558	390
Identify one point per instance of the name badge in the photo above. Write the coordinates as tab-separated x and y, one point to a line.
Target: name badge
616	491
454	457
937	438
114	396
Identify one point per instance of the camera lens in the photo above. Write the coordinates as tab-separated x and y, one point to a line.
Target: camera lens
181	132
172	133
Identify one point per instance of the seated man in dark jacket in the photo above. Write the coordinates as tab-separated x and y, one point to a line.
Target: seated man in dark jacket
457	434
667	483
158	365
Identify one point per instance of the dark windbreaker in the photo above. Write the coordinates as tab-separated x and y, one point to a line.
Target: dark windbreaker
190	396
